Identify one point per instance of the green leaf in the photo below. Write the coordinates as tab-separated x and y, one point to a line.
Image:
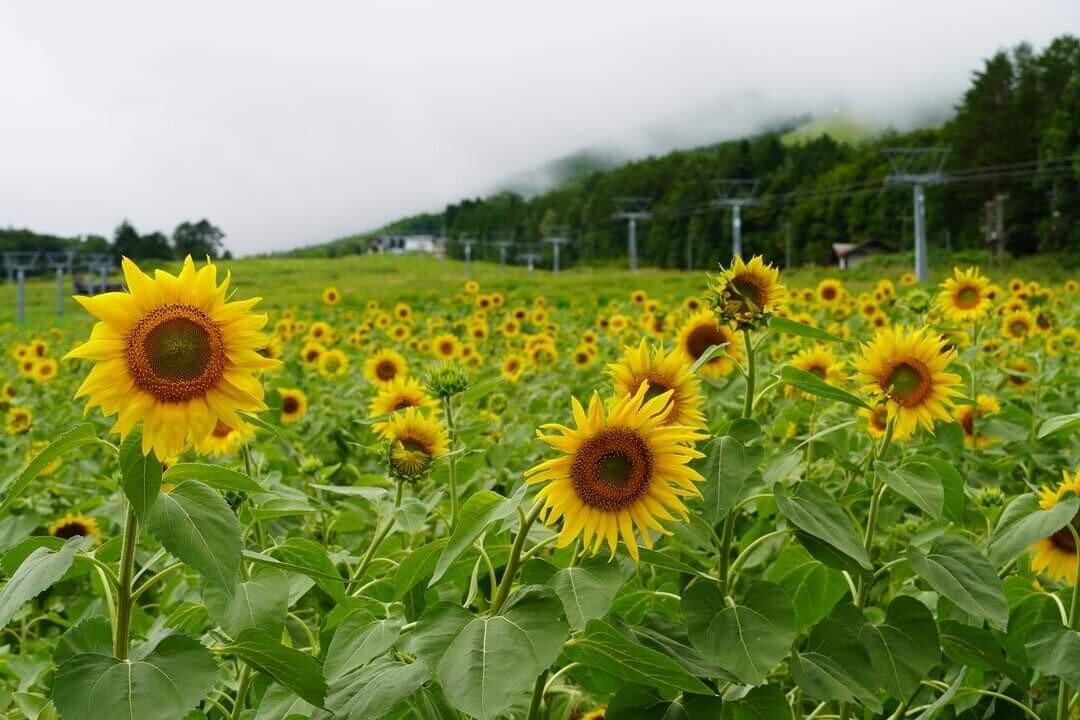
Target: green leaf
1036	609
762	703
372	691
634	702
1023	522
140	475
956	569
416	566
1059	423
75	437
1054	650
479	511
916	482
747	639
835	665
311	559
663	560
787	325
195	524
493	659
903	648
814	512
978	648
810	383
91	635
952	484
217	477
37	573
261	602
603	647
434	631
163	685
587	590
358	641
295	670
813	587
729	464
281	703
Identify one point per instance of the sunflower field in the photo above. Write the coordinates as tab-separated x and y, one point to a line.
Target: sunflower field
756	500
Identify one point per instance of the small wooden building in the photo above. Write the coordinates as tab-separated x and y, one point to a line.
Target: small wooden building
849	255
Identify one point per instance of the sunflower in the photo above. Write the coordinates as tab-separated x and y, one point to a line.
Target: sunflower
174	354
385	366
908	278
399	394
293	405
747	293
830	292
224	440
582	357
45	370
333	363
1017	325
1018	372
818	360
617	323
415	441
662	371
877	422
320	331
331	296
72	524
445	346
963	297
700	332
617	473
638	297
597	714
19	420
907	369
1056	555
400	332
512	367
966	415
472	287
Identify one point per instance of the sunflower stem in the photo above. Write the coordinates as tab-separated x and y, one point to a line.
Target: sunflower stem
537	696
380	534
514	561
1064	696
448	413
745	554
751	372
974	395
241	691
875	504
726	538
121	640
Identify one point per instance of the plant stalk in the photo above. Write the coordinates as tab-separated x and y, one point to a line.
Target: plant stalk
751	373
514	561
448	413
121	639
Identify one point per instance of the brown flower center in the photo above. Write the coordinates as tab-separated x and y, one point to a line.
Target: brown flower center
386	370
73	528
176	353
967	297
908	383
702	338
612	470
290	404
751	292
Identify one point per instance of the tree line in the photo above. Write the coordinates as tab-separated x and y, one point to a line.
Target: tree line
198	239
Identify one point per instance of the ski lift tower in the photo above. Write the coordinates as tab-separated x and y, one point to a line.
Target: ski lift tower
17	263
503	245
735	193
101	264
468	245
531	258
632	209
61	262
556	241
918	167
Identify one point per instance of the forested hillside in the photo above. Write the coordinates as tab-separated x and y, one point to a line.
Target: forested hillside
1016	132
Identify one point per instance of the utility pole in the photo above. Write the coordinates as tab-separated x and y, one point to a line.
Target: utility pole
1000	223
632	209
530	258
689	252
503	245
61	262
17	263
787	245
918	167
735	193
468	243
556	241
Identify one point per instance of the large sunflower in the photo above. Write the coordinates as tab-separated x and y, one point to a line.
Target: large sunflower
907	369
385	366
746	293
415	441
818	360
173	354
617	473
701	331
1056	555
400	394
663	371
963	297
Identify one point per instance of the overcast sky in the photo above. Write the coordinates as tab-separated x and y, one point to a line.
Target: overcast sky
294	123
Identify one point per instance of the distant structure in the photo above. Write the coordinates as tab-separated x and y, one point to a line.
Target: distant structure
632	209
918	167
407	244
735	193
849	255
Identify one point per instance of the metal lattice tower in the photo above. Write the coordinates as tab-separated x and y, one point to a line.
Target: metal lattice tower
631	209
735	193
918	167
17	263
101	264
531	258
503	246
468	243
556	241
61	262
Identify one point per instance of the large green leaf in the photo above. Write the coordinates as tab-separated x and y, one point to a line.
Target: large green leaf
434	631
216	476
810	383
1054	650
417	566
903	648
587	590
952	485
767	702
728	465
1023	522
163	685
916	482
75	437
479	511
295	670
261	602
358	641
814	512
603	647
281	703
371	692
635	702
813	587
1059	423
835	665
140	475
977	647
748	638
1034	610
195	524
91	635
35	575
313	561
956	569
494	659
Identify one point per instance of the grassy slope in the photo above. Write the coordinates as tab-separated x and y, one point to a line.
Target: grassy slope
838	126
286	282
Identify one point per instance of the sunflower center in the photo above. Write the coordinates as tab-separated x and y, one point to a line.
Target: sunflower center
399	403
176	353
1018	329
612	470
909	382
753	296
817	370
221	430
410	456
967	298
289	405
828	293
1064	539
657	387
385	370
702	338
71	529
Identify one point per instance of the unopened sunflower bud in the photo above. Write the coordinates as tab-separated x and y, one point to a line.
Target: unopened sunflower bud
448	379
